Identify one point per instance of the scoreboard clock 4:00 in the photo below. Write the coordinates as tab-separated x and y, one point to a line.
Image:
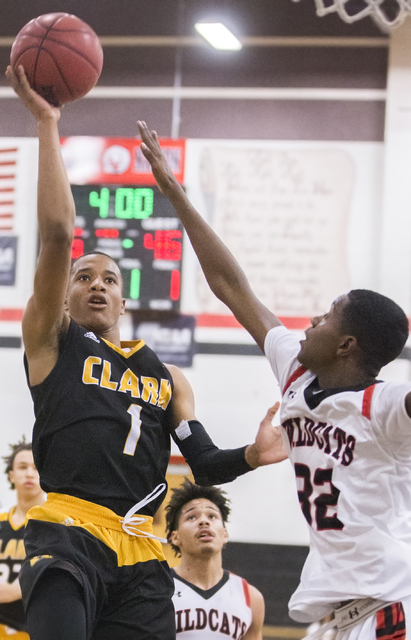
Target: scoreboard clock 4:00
138	228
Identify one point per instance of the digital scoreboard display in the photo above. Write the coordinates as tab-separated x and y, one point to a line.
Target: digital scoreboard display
139	229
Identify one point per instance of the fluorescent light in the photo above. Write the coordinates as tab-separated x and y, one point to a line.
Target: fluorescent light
218	36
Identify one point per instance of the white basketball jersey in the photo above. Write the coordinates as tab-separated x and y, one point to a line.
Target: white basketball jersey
221	612
351	452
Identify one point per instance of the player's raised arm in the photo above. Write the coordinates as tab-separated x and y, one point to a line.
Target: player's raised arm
44	315
224	275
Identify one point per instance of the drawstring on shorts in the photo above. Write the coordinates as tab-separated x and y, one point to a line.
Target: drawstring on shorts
130	520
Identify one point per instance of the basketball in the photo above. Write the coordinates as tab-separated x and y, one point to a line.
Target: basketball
61	55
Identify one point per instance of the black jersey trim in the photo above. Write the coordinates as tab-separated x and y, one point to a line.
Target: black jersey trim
314	395
204	593
6	516
11	513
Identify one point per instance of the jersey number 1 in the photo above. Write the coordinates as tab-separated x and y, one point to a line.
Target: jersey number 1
134	434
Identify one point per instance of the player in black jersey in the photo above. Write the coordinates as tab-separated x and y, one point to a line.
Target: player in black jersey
105	411
24	479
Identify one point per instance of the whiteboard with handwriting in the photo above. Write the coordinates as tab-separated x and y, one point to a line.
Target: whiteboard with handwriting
301	218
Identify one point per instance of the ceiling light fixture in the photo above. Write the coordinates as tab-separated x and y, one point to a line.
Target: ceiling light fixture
218	36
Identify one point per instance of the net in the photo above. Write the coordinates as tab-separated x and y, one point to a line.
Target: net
388	14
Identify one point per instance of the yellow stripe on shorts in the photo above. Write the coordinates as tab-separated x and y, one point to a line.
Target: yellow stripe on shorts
103	524
7	633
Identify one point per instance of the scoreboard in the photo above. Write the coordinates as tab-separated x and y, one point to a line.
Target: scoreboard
137	226
121	212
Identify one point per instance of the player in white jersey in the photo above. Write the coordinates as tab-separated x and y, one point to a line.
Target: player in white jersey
209	601
348	435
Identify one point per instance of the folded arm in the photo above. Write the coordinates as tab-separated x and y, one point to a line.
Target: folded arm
209	464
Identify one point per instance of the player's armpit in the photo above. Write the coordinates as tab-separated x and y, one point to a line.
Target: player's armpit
41	343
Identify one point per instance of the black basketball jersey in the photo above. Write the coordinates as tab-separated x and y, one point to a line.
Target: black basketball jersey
103	418
12	555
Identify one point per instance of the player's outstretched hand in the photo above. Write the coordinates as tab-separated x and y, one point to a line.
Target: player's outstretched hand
39	107
151	150
268	447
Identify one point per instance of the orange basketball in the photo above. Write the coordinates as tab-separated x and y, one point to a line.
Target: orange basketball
61	55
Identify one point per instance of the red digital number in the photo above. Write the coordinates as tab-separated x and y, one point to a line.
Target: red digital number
175	285
164	245
77	248
107	233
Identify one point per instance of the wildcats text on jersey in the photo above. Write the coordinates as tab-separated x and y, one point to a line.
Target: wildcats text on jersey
224	611
334	441
213	620
149	389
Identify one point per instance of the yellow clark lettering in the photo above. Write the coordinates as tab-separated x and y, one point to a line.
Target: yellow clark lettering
88	370
165	394
105	378
129	382
150	389
10	550
21	552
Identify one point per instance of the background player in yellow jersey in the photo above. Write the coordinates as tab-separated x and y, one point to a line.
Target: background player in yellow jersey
208	600
24	479
105	411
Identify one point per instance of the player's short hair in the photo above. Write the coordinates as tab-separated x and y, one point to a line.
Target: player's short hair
379	325
185	493
96	252
21	445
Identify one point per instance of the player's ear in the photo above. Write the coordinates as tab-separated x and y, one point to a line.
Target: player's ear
348	344
225	535
123	306
10	477
175	538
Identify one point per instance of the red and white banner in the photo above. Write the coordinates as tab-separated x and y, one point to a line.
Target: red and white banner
8	162
95	160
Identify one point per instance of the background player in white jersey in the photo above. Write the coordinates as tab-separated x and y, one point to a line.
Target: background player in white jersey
348	435
209	601
24	479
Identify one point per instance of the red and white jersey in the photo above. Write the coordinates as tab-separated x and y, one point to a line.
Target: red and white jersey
224	611
351	452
